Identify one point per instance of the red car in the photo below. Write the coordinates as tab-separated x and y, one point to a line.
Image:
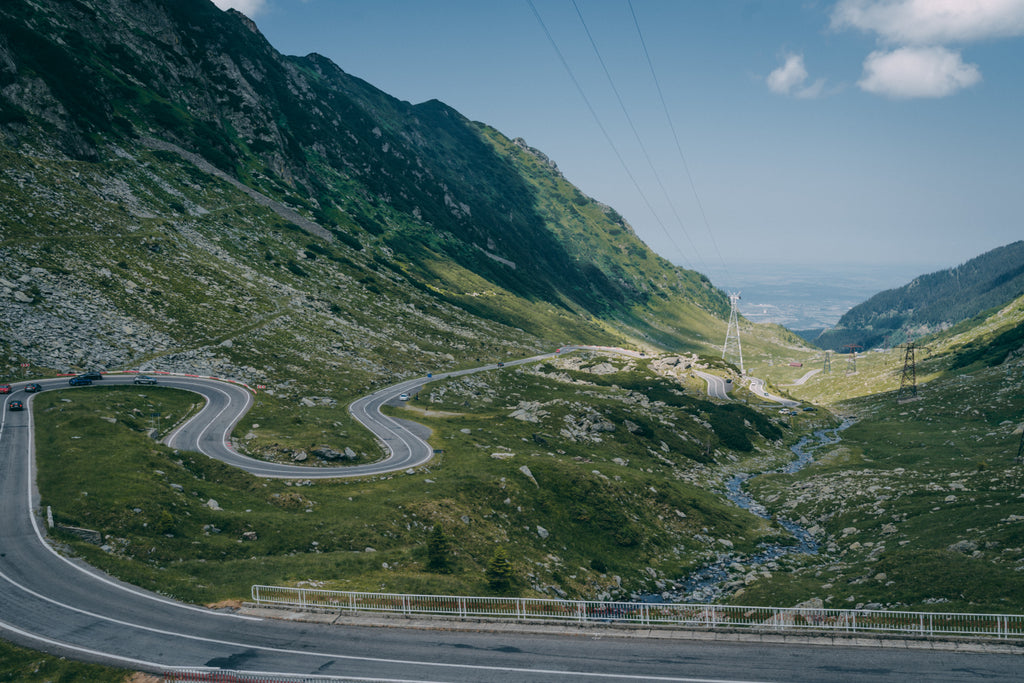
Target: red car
5	388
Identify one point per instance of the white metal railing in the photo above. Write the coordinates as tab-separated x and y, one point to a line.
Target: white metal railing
645	613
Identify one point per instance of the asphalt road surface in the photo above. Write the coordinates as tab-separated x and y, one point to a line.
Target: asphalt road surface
60	605
717	387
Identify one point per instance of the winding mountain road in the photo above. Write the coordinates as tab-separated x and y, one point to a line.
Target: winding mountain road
60	605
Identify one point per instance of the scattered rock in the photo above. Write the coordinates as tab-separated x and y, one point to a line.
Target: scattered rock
529	475
964	547
212	504
249	536
542	532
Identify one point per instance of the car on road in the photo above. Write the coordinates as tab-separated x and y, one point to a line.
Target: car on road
144	379
5	388
15	405
91	375
33	388
403	397
79	381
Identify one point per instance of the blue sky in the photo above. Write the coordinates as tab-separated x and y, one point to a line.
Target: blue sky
836	133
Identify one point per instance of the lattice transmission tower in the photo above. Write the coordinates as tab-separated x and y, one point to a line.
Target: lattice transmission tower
732	347
851	361
908	381
828	362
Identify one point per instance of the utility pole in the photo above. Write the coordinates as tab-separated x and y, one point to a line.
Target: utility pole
1020	450
851	362
828	362
732	334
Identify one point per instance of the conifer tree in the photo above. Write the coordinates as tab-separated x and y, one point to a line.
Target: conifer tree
499	571
438	551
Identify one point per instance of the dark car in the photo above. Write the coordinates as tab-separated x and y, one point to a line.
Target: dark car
79	381
33	388
91	375
144	379
15	405
5	388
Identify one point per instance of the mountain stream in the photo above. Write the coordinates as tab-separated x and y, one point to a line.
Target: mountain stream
713	580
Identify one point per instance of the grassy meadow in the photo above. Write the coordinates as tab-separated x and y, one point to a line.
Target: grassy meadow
603	486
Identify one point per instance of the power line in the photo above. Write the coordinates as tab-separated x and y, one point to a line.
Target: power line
636	134
675	137
604	131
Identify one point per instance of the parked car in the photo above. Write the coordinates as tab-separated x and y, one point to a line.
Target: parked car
33	388
15	405
79	381
5	388
144	379
92	374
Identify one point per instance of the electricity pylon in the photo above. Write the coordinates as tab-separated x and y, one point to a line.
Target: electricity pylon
732	334
851	362
908	381
828	362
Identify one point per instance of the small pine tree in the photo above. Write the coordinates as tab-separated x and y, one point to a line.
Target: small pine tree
438	551
164	523
499	571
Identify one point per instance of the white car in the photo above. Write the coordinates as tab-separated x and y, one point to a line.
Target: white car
403	397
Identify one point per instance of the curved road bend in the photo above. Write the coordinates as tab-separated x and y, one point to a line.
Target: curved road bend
757	387
52	603
717	386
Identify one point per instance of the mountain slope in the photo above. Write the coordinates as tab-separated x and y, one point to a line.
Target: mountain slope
418	181
932	302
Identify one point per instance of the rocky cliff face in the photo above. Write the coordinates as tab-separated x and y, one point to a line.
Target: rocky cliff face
170	184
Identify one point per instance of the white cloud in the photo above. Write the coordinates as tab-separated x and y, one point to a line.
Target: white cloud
788	76
249	8
932	22
790	79
910	72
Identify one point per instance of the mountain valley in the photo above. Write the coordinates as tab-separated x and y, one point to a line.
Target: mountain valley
177	196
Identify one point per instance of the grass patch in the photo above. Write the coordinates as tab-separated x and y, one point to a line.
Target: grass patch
30	666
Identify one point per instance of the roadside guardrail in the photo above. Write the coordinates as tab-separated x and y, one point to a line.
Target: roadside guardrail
679	615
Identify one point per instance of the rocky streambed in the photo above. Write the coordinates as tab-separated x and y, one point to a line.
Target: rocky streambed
733	570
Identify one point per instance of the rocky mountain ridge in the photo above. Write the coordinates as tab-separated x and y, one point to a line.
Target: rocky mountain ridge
176	190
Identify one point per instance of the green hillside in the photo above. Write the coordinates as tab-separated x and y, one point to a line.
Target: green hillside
931	303
182	126
919	505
